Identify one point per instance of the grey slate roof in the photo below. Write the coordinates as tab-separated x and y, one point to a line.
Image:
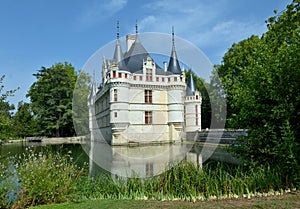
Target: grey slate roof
173	63
173	66
135	56
190	89
132	60
118	56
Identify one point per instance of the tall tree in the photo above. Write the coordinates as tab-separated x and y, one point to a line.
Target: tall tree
80	108
23	122
5	108
262	83
51	98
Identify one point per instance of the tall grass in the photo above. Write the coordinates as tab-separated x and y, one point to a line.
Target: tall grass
46	177
186	181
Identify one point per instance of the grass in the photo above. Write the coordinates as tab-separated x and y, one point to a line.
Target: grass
289	200
47	178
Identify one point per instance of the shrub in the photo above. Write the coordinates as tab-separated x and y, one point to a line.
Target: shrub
46	178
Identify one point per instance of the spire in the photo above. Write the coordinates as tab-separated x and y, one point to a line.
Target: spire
173	63
190	89
118	30
136	27
118	54
173	41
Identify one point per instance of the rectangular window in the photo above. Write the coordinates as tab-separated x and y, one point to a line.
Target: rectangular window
141	78
126	75
148	96
148	117
116	114
197	97
120	75
115	95
163	79
175	78
114	74
148	74
134	77
157	78
169	79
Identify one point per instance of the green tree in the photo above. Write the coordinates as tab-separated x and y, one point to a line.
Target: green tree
217	100
23	123
51	99
5	111
80	109
261	78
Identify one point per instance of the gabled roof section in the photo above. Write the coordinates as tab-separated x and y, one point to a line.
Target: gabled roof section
135	56
190	89
173	66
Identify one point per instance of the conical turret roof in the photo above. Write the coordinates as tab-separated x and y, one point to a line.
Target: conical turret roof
190	89
118	54
173	66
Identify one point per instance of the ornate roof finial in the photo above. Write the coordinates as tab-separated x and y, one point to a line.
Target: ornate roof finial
173	40
136	27
118	30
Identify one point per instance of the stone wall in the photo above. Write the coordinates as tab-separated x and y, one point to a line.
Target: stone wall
220	136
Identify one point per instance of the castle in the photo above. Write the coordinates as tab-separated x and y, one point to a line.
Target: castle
140	102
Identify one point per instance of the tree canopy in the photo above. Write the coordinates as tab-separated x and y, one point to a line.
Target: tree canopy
5	110
51	99
261	76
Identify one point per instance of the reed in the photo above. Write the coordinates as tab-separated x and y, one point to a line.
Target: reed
48	177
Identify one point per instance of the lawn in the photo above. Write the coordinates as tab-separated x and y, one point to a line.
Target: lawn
289	200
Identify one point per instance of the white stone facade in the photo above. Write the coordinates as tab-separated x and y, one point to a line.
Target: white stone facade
145	105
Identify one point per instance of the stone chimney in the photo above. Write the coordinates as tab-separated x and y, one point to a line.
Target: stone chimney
165	66
130	39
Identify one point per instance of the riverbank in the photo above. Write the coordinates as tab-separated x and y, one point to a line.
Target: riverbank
287	200
46	140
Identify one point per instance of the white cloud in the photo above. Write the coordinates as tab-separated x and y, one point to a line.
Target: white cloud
99	11
208	25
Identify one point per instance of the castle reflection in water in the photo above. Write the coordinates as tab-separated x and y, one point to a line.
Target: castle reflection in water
148	160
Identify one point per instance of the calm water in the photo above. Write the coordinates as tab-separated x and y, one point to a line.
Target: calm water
122	160
12	149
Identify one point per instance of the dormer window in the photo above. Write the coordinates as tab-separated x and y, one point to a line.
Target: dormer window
148	74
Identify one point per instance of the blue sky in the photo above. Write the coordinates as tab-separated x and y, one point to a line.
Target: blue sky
36	33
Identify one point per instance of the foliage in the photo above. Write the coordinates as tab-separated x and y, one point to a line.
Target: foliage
261	77
5	109
80	109
46	178
49	177
23	122
51	99
185	181
217	99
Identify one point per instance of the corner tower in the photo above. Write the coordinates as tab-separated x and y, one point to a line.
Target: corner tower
192	104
